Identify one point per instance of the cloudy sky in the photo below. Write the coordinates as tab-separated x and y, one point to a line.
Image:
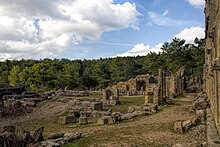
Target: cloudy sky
92	29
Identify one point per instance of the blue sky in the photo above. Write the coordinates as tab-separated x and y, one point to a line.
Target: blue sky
82	29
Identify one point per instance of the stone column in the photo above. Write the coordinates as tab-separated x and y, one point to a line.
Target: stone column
160	85
156	98
164	86
142	90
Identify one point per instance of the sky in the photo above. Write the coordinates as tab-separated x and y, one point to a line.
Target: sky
93	29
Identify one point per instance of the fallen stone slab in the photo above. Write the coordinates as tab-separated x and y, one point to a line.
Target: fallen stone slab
72	137
178	127
186	125
67	120
38	135
109	118
47	144
102	121
83	120
56	135
96	106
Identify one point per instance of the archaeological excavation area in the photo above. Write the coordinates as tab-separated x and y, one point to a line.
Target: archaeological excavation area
119	114
169	99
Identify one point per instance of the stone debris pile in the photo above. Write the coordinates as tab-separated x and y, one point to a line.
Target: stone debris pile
8	138
199	106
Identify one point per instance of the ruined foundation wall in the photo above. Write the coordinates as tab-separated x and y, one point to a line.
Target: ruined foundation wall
212	56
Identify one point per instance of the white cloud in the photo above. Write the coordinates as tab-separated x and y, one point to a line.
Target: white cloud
163	20
189	34
33	29
197	3
141	50
165	13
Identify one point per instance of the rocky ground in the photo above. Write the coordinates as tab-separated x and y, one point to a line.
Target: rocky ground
150	130
154	130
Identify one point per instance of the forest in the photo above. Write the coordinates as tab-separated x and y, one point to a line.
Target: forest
48	73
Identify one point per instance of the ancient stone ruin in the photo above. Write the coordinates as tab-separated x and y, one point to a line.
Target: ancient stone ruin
9	138
212	57
155	88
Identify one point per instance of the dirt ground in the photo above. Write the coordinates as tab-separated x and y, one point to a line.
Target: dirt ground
154	130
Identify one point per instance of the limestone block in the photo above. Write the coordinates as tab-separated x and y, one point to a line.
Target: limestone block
178	128
102	121
67	119
75	113
83	120
56	135
109	118
187	125
97	106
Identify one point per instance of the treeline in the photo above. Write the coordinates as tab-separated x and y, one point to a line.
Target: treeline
86	74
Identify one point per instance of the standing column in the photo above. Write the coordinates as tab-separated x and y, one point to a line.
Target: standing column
160	85
164	86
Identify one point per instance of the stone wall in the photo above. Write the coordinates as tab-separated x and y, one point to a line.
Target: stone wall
156	89
212	56
168	86
137	85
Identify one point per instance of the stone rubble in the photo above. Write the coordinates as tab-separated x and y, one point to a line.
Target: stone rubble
8	138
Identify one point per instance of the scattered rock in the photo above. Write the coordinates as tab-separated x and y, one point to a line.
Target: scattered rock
186	125
178	128
38	135
102	121
72	137
55	136
27	138
47	143
67	120
83	120
96	105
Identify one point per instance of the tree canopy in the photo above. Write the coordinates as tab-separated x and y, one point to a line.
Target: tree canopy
98	74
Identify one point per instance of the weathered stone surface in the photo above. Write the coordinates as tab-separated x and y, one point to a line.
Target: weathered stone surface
67	119
200	113
196	121
116	117
83	120
152	107
178	127
129	115
186	125
96	105
212	56
27	138
104	113
102	121
200	104
109	118
212	133
47	144
38	135
75	113
86	113
72	137
56	135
